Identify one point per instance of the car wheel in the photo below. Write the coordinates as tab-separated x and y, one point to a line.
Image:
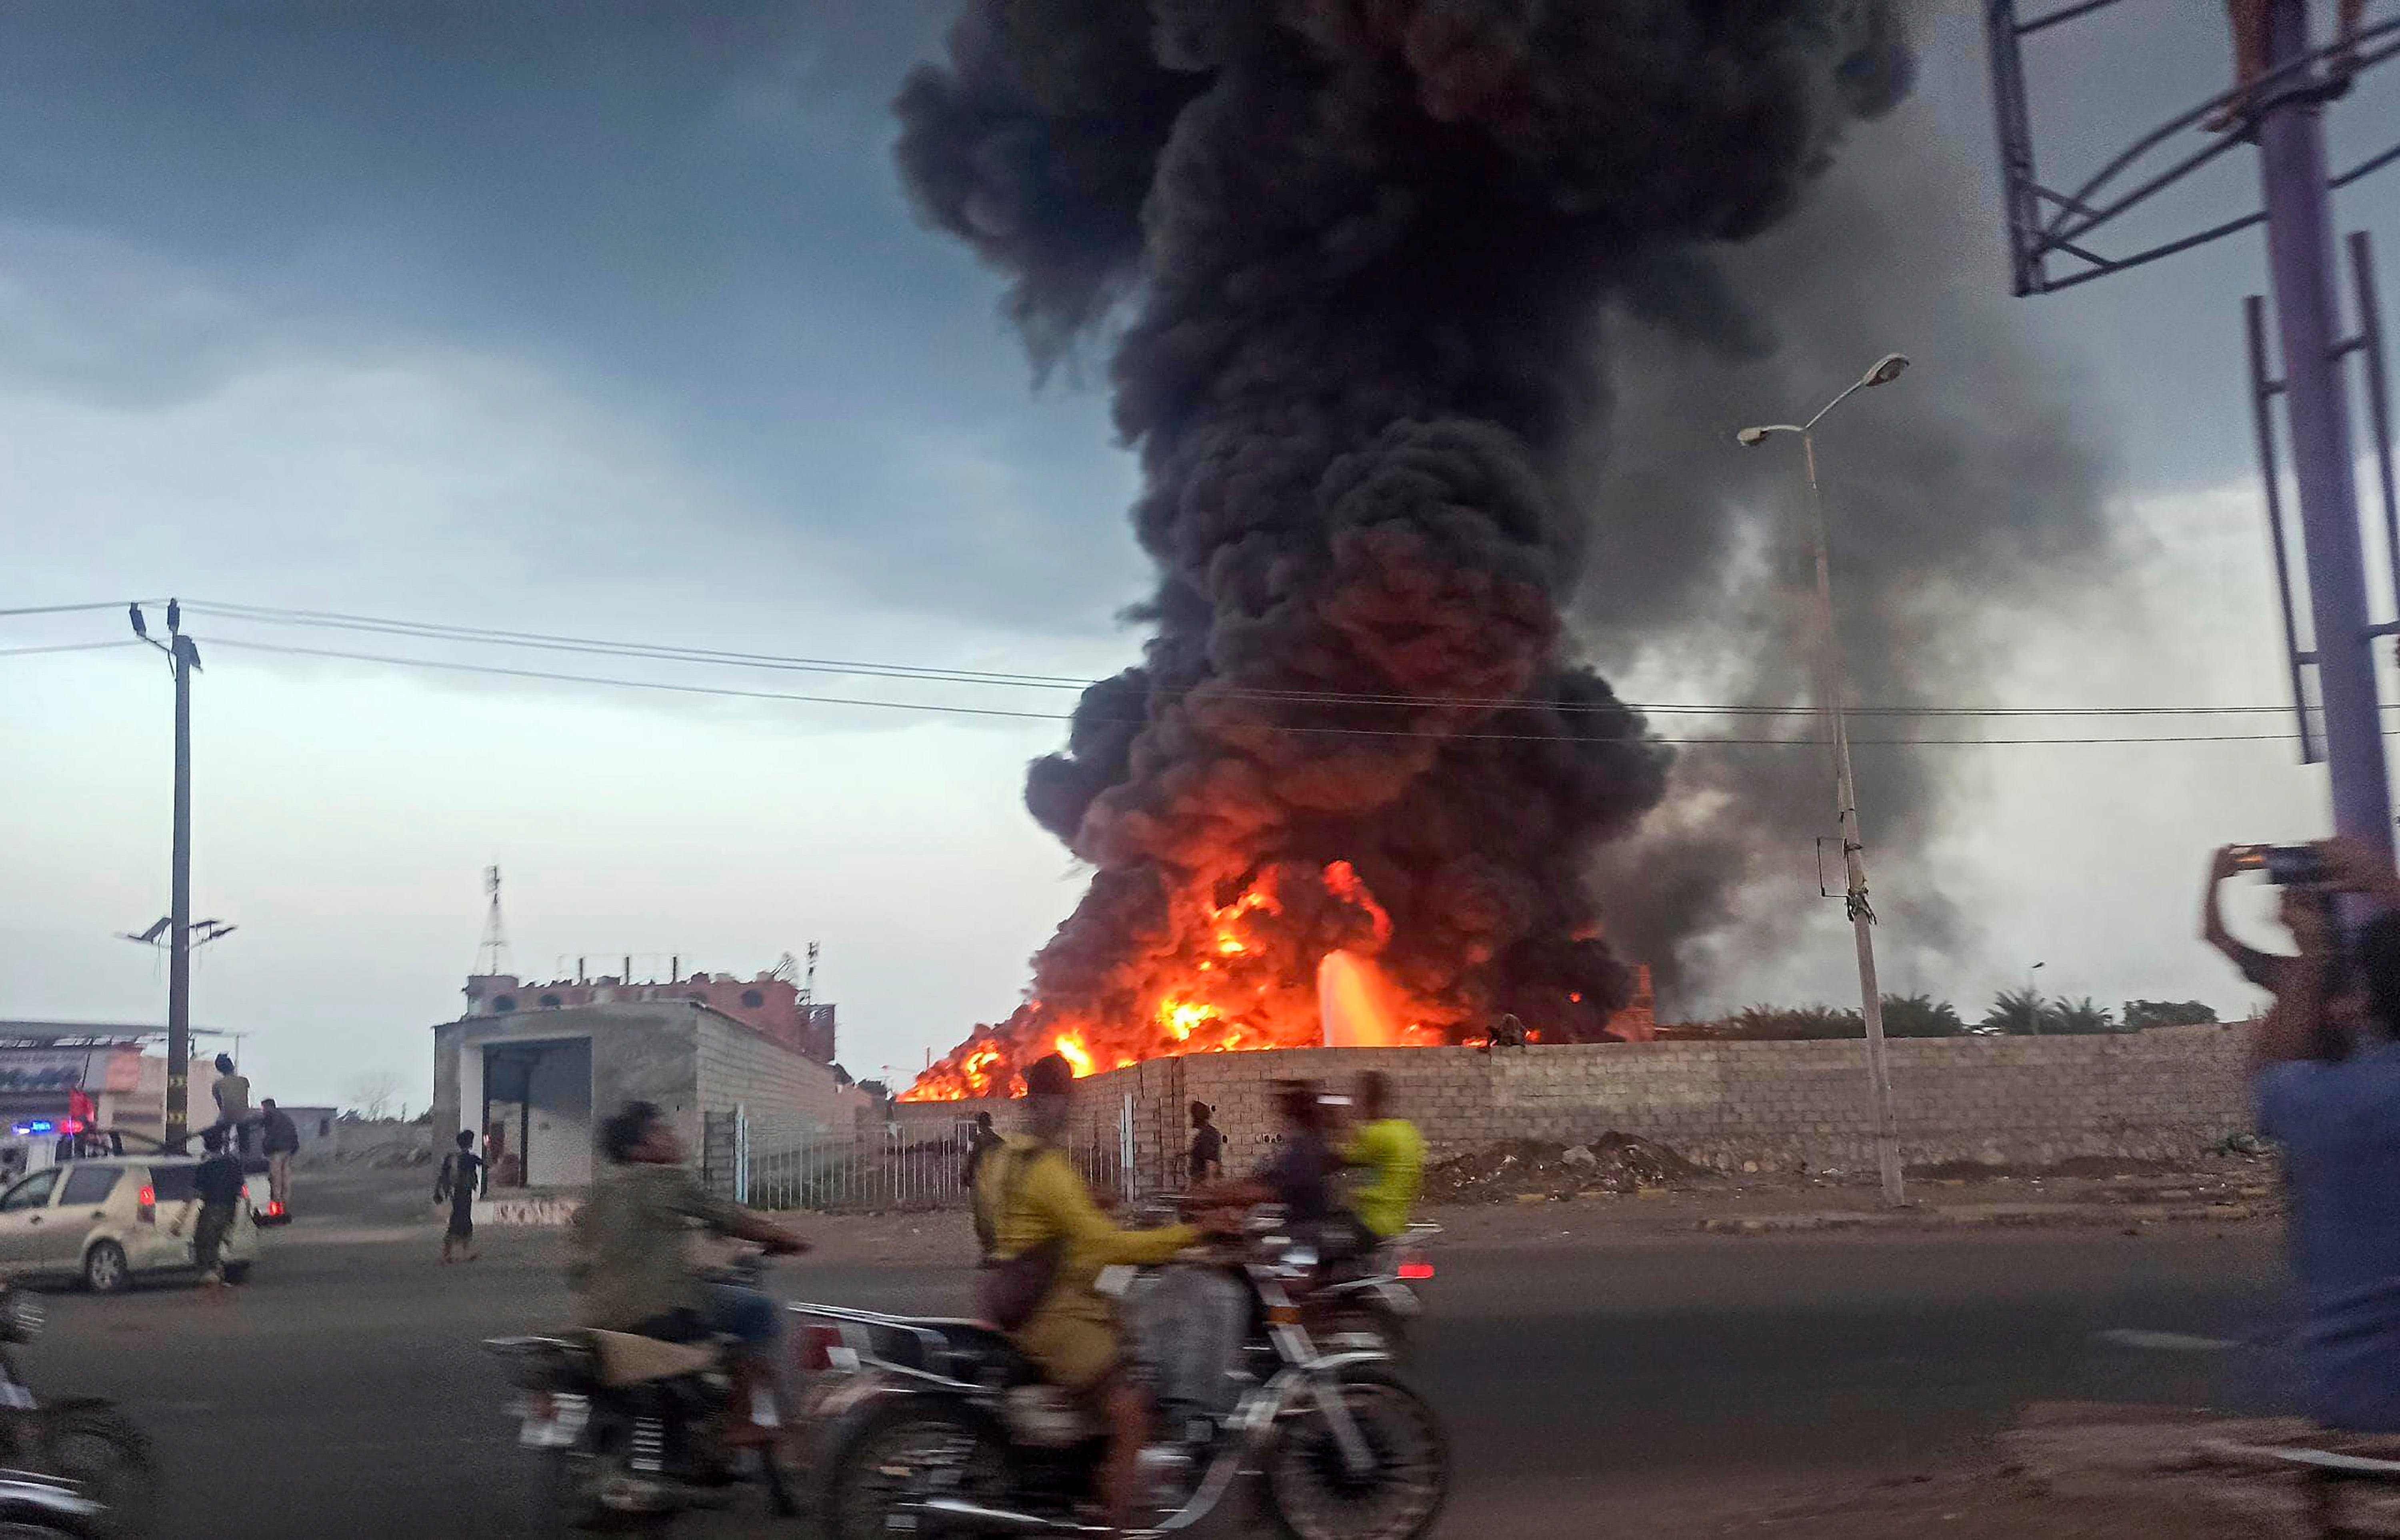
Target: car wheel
105	1269
237	1273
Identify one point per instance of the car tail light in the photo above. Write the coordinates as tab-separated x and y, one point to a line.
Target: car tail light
147	1211
1415	1270
817	1346
273	1209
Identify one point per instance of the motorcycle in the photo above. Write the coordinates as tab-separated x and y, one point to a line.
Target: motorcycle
1370	1305
631	1428
943	1428
68	1465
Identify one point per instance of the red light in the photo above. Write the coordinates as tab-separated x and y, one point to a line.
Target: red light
75	1126
1415	1270
273	1209
148	1200
816	1346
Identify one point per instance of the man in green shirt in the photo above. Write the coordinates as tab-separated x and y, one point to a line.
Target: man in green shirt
1388	1155
632	1269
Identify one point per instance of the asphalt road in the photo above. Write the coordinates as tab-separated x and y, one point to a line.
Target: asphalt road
343	1389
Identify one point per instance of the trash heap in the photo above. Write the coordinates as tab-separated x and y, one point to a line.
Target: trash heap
1535	1168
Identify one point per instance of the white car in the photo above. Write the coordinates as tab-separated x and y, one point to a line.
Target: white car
108	1221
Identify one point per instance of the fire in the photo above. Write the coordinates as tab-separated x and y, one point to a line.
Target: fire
1295	958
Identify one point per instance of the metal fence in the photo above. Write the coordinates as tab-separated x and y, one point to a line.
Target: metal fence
770	1162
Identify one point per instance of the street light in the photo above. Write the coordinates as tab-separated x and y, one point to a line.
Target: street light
1846	799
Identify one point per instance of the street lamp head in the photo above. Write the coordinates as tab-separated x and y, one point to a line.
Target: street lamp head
1887	369
1751	438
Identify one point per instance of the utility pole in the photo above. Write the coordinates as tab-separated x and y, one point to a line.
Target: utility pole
2300	255
1846	796
184	657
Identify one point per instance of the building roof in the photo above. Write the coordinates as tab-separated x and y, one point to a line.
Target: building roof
84	1033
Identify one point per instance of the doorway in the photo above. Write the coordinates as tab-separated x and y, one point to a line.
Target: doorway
538	1112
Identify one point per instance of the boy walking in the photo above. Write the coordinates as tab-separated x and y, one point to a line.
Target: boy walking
462	1180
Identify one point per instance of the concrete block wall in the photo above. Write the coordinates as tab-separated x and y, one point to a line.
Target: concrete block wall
1735	1106
739	1067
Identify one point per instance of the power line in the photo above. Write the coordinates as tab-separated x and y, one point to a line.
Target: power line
76	609
66	647
672	653
796	698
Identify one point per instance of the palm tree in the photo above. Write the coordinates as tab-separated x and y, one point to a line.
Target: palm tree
2084	1018
2018	1013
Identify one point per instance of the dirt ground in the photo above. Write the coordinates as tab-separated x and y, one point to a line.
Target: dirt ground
2220	1194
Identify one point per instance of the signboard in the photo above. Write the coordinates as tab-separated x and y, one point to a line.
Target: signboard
551	1212
42	1071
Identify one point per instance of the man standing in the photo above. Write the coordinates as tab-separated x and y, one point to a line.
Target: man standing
981	1141
1207	1145
2329	1090
216	1189
281	1141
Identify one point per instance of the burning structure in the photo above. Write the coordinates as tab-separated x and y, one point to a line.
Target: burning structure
1355	256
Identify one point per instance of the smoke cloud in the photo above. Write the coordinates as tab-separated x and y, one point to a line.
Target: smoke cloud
1362	263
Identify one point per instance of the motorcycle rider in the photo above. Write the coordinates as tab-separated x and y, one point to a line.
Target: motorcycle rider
632	1269
1036	1198
1389	1154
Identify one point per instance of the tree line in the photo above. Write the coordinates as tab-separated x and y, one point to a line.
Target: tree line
2013	1012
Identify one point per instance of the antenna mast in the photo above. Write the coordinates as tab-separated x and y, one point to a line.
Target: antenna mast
492	955
809	982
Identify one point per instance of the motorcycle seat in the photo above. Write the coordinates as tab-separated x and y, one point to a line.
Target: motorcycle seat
626	1359
958	1350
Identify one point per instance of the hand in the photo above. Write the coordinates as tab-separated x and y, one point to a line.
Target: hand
2224	864
2356	867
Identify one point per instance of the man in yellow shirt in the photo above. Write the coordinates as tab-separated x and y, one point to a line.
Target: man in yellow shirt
1388	1154
1035	1197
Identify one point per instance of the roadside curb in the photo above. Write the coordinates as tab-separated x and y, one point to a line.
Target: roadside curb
1991	1217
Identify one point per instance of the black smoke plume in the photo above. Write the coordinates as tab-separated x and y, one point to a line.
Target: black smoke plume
1361	257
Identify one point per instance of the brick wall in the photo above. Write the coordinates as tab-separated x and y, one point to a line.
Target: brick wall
739	1067
1767	1106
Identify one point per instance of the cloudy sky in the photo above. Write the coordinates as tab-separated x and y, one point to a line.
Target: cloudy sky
613	321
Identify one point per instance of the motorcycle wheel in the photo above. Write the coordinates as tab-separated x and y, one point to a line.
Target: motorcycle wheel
880	1468
99	1449
1310	1490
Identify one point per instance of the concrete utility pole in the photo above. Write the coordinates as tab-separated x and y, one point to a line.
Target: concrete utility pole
184	658
1845	796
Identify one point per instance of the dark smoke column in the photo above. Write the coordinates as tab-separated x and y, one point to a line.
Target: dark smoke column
1362	250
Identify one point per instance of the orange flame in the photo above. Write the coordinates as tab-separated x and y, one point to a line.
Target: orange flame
1241	975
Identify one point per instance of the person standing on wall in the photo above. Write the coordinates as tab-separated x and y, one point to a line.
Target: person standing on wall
460	1183
280	1141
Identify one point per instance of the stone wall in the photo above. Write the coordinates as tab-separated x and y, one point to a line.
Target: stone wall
1737	1106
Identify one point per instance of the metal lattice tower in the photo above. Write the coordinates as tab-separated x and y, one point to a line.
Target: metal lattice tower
2333	673
492	953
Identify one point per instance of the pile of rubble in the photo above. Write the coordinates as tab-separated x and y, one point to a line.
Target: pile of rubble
1525	1169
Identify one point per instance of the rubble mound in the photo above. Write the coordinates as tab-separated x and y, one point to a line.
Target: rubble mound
1536	1168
